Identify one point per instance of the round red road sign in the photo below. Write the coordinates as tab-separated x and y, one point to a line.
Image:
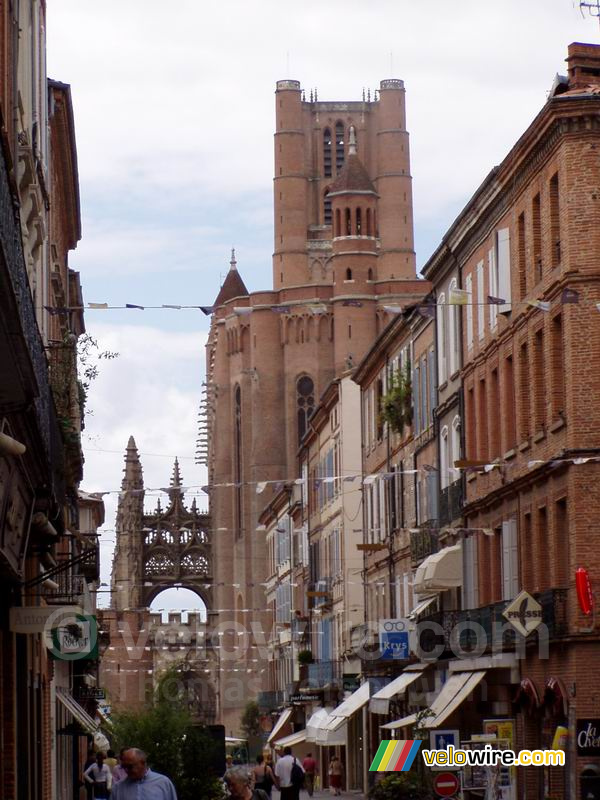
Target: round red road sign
445	784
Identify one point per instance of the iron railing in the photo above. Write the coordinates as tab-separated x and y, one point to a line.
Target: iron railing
323	673
451	502
423	543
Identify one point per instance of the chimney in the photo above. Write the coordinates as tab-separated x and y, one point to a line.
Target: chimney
584	65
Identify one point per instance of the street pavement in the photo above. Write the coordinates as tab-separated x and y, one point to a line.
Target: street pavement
322	795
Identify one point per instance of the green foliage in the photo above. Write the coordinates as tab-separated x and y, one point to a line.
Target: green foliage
401	786
305	657
250	721
88	356
395	406
174	746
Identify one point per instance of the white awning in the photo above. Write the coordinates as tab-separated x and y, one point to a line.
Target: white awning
422	606
455	691
354	703
333	732
380	702
283	718
76	711
314	724
400	723
440	571
291	740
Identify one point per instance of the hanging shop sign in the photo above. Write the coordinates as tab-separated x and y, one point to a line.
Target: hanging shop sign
588	737
524	613
75	638
36	619
313	697
393	639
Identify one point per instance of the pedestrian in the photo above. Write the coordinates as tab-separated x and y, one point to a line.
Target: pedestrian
290	775
118	773
99	776
263	775
238	781
89	789
309	765
141	782
336	776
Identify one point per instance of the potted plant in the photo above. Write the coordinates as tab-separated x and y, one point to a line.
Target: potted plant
395	406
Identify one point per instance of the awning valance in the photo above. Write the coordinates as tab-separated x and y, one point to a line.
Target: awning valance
78	713
422	607
291	740
454	692
440	571
283	718
380	702
333	732
354	703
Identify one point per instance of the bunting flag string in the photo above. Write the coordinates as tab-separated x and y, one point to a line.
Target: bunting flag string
427	308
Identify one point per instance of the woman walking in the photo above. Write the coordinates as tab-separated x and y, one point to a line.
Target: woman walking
336	776
263	775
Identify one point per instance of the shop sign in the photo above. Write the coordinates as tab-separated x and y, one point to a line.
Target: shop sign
91	693
393	639
350	683
34	619
75	639
306	698
524	613
588	737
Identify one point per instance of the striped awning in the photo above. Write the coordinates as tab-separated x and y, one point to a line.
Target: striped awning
78	713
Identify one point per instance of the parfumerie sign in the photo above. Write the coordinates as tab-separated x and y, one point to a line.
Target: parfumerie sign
588	737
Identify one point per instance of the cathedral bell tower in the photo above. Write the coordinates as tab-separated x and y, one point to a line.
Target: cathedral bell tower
126	581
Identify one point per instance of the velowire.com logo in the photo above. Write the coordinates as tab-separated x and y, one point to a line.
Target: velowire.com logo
395	755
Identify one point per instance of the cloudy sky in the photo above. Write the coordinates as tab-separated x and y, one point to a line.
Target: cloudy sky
174	114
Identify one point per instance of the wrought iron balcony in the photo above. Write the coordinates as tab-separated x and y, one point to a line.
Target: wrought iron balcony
269	701
90	566
423	543
451	502
486	626
323	673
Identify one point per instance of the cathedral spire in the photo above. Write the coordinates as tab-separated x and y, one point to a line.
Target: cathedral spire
132	477
175	488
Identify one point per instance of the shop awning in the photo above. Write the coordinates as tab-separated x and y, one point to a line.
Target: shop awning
454	692
283	718
354	703
291	740
333	732
78	713
423	606
314	724
440	571
380	702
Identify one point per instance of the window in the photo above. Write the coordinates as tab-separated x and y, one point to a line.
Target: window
432	386
369	224
470	411
455	449
541	554
423	394
348	225
416	400
524	393
339	146
502	258
493	286
305	401
561	543
283	602
509	403
370	274
283	540
554	222
327	153
521	257
444	466
338	222
442	337
494	416
536	223
480	306
358	222
539	388
348	274
482	427
510	560
454	331
558	368
326	208
469	290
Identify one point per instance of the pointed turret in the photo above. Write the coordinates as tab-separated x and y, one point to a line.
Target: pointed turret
354	178
132	472
175	488
233	286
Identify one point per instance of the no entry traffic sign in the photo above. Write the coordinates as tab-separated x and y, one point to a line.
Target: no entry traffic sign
445	784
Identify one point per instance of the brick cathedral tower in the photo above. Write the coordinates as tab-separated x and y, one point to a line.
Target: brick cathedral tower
343	249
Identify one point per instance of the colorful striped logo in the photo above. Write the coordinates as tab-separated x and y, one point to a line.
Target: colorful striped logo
395	755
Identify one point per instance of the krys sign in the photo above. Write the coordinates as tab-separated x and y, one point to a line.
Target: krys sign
588	737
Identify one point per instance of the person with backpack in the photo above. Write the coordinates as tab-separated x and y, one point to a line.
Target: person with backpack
263	775
290	775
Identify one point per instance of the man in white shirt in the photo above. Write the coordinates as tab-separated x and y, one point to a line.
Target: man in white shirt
283	772
100	776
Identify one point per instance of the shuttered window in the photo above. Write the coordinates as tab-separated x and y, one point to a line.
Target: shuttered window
510	560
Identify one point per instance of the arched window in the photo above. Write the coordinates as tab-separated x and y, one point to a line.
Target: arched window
369	227
348	274
454	332
238	459
338	222
327	153
442	337
305	403
326	208
339	146
348	225
358	222
370	274
444	477
455	451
